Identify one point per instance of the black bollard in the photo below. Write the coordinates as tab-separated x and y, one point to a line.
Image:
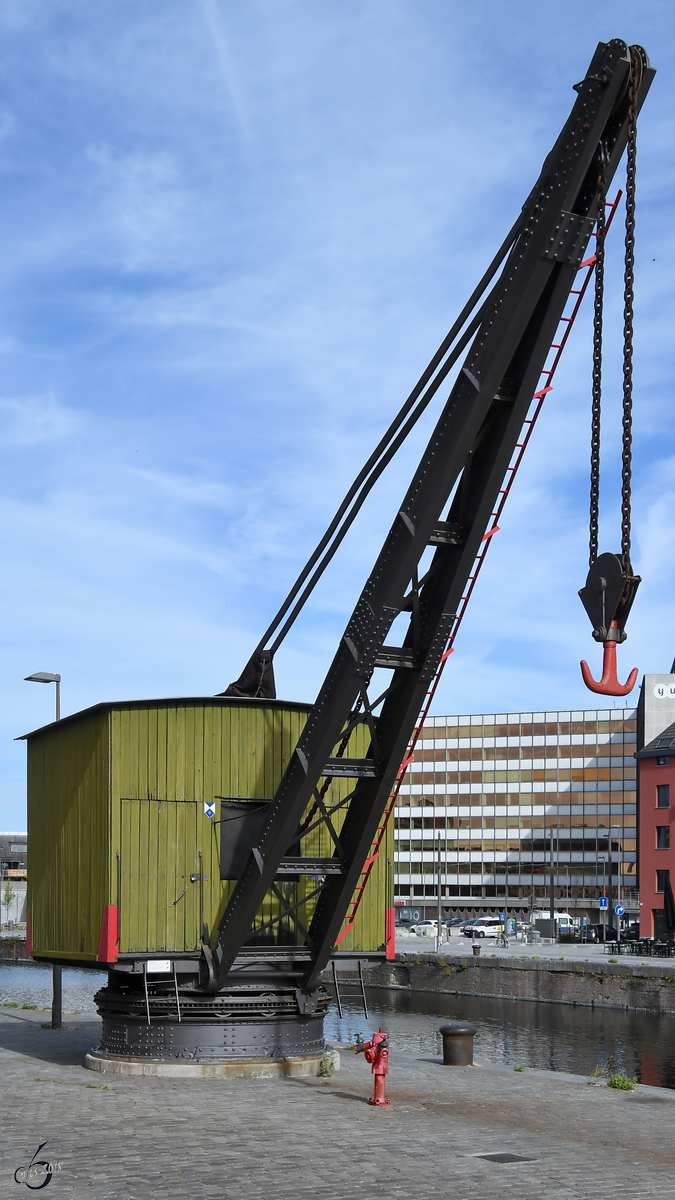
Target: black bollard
457	1043
57	975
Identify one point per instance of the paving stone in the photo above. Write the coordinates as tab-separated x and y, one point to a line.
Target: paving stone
148	1138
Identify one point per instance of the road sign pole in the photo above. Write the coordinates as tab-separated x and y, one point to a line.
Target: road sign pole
603	904
619	910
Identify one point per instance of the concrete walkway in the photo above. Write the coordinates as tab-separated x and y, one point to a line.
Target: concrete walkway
149	1139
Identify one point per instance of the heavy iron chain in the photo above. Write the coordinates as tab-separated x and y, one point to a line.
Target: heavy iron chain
628	284
597	360
629	273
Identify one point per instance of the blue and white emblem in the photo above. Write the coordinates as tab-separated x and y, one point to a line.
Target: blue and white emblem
209	808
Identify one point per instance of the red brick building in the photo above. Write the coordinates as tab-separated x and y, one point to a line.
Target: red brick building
656	774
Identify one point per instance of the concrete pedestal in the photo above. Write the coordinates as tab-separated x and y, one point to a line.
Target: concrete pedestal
252	1068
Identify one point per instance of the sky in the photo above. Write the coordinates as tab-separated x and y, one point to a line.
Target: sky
231	238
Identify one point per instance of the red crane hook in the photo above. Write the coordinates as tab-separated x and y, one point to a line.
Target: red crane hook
609	684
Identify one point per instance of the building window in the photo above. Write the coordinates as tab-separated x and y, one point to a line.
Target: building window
663	795
661	877
663	837
663	760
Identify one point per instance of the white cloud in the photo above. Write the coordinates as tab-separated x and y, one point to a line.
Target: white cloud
142	204
231	241
35	419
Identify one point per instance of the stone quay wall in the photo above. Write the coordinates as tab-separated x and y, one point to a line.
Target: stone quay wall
643	988
13	950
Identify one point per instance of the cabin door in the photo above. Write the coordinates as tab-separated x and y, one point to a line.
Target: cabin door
161	892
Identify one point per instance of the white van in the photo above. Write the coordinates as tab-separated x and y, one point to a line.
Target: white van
563	919
484	927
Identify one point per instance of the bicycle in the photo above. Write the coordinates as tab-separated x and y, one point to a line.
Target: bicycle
503	941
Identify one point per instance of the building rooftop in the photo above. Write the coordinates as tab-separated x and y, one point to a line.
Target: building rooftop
659	745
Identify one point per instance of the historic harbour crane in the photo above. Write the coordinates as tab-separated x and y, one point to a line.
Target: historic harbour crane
508	337
292	859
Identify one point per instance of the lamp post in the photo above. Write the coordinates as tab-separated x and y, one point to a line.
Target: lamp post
552	864
57	969
610	865
601	859
47	677
439	900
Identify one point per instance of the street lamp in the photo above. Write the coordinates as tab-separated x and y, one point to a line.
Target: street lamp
552	866
602	858
57	969
612	829
47	677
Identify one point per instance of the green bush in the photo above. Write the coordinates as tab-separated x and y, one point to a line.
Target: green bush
621	1081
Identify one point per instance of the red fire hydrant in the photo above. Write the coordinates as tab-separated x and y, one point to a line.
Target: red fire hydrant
377	1053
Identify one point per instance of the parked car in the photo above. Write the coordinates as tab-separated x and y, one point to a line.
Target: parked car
484	927
631	932
464	925
598	933
453	922
425	928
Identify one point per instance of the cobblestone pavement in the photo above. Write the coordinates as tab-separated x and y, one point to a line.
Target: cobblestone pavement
146	1139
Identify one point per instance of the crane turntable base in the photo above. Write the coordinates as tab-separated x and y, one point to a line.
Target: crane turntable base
293	1067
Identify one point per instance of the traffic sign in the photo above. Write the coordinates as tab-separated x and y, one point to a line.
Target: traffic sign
619	910
604	903
501	916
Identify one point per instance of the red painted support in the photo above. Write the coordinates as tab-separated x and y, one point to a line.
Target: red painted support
390	932
108	941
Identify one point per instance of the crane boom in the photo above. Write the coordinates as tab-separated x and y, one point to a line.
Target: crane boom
463	467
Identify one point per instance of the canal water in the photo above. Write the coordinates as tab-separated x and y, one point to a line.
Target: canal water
555	1037
520	1033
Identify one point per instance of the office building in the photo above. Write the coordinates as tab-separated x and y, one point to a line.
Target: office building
501	801
13	849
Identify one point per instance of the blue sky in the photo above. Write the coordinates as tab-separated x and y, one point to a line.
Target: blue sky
232	236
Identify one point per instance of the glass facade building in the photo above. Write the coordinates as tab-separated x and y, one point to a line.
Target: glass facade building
491	803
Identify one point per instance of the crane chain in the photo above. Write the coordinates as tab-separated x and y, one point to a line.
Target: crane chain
628	298
598	300
628	293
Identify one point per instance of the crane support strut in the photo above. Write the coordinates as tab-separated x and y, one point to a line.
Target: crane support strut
464	466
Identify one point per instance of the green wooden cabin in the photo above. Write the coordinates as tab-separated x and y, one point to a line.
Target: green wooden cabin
123	858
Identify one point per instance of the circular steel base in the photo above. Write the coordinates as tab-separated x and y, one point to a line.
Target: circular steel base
252	1068
196	1027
